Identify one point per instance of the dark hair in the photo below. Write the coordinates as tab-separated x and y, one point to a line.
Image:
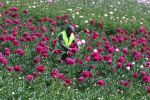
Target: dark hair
70	28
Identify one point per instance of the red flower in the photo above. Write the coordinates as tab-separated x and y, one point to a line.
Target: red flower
100	82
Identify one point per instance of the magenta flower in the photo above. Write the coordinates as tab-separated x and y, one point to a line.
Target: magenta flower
148	89
36	59
52	29
54	73
35	73
9	68
135	75
81	78
89	47
91	66
86	73
98	73
43	29
67	80
126	83
25	11
40	68
100	23
70	61
61	76
1	4
143	73
58	17
92	21
146	78
65	21
125	50
141	29
17	68
29	78
100	82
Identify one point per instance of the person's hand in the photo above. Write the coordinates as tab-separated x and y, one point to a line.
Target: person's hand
70	49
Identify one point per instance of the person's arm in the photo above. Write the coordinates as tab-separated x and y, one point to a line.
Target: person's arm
76	44
61	42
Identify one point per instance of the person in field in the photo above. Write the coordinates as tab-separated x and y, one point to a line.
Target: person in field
65	38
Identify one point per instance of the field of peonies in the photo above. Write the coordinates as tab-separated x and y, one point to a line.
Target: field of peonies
113	62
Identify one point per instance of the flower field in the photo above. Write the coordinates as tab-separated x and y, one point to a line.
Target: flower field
113	62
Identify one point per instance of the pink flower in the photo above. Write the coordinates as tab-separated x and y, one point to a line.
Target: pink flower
40	68
121	59
43	29
146	79
17	68
135	75
119	64
35	73
29	78
59	60
9	68
81	78
39	48
100	82
1	4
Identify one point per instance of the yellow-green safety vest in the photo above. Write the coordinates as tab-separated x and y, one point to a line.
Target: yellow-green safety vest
67	41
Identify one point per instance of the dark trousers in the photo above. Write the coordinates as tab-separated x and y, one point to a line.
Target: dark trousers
64	57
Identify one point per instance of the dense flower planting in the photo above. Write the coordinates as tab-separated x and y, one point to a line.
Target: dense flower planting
28	52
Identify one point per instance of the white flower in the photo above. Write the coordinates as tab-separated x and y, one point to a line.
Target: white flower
79	42
41	1
141	66
95	50
33	6
83	41
128	68
77	26
105	15
133	63
81	16
146	58
115	9
13	93
111	12
117	49
93	2
73	16
77	12
93	14
86	21
69	9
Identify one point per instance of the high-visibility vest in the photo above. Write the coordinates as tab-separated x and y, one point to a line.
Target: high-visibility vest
67	41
